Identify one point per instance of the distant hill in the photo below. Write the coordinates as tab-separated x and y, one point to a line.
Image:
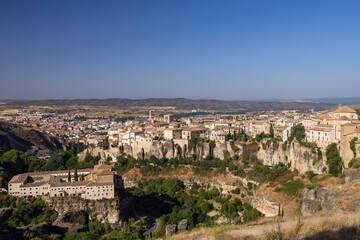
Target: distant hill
181	104
22	138
344	101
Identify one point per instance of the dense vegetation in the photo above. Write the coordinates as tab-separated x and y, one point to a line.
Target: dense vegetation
15	161
33	212
333	160
297	132
69	160
192	204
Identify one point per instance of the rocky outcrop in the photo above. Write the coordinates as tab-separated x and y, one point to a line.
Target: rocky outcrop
334	197
310	204
104	154
298	157
72	220
264	205
170	230
224	187
115	211
41	229
352	175
183	225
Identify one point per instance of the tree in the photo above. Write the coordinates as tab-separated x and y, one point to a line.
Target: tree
333	160
69	177
76	175
298	132
271	131
352	146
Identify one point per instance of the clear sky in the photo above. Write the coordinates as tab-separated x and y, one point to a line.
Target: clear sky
187	48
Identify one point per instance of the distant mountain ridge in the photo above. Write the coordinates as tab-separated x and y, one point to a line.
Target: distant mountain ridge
180	104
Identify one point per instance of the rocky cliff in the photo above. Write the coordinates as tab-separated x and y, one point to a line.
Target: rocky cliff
176	148
104	154
295	155
115	211
334	197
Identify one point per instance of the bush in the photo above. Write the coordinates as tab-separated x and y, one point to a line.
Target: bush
333	160
293	187
235	191
354	163
310	174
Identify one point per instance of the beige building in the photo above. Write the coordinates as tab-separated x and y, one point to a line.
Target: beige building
323	135
172	133
189	133
344	112
349	132
98	183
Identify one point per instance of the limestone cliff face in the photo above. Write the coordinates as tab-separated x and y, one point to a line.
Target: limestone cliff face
104	154
299	157
115	211
264	205
176	149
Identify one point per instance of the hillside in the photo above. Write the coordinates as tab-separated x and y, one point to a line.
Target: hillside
22	138
180	104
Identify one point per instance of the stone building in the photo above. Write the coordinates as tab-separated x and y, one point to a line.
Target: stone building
97	183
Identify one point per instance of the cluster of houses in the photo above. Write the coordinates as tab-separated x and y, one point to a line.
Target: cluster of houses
338	126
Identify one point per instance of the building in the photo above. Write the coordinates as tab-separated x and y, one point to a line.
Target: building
97	183
348	133
189	133
172	133
344	112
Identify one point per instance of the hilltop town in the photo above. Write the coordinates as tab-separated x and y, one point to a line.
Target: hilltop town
136	135
162	172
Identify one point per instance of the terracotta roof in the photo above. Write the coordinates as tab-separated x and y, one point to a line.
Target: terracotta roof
99	184
344	109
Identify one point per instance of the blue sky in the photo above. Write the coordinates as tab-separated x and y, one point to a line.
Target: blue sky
186	48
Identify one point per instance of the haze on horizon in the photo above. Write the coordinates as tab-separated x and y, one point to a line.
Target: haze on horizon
231	50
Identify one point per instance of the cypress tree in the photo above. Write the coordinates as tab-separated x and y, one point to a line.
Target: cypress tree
69	177
76	175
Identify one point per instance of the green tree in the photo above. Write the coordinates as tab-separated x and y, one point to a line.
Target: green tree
271	131
333	160
69	177
298	132
76	175
352	145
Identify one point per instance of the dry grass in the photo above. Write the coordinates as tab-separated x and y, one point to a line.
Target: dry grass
337	226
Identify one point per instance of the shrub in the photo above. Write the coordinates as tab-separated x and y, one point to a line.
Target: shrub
334	160
293	187
235	191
